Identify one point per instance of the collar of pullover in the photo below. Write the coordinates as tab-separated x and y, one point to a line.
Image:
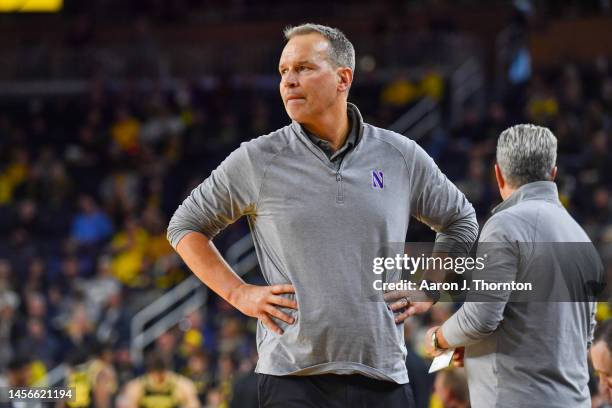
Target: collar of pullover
353	138
538	190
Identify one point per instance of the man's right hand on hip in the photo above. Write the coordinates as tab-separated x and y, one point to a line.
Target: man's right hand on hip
262	303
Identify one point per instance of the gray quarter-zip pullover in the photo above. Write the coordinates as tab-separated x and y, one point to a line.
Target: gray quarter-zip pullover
530	353
310	221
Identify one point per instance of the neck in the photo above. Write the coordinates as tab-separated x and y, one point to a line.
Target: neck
158	376
329	128
507	192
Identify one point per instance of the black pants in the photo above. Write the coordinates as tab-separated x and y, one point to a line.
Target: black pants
331	391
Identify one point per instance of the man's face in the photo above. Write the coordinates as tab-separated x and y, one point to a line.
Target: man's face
309	83
602	362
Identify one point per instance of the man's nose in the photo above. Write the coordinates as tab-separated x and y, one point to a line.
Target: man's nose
290	80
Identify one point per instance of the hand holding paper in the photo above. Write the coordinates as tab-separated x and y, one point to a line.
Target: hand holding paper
442	361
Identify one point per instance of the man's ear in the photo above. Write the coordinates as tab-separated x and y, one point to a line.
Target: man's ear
553	174
345	78
499	177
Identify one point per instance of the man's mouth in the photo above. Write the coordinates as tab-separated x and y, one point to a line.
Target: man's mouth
295	99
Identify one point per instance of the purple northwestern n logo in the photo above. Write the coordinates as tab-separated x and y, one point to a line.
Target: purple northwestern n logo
377	179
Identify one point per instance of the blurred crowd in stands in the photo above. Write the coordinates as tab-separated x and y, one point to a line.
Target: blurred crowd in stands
88	184
240	10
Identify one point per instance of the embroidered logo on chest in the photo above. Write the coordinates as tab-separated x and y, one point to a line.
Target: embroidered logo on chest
378	180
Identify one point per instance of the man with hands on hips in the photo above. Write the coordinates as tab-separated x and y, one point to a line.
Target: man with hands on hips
315	192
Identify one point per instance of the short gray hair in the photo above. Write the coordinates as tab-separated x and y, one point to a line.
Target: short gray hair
341	50
526	153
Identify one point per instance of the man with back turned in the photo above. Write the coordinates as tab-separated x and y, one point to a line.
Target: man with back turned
528	349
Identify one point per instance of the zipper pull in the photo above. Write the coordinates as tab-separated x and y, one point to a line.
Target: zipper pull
340	195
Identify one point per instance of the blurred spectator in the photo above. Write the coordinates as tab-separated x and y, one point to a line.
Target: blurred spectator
123	364
91	225
93	377
475	186
432	84
215	399
571	92
192	343
36	279
451	388
228	133
231	335
542	104
35	305
9	301
519	71
125	132
165	265
260	123
13	174
38	343
77	333
399	92
160	125
6	275
120	191
602	205
86	158
160	386
128	249
72	272
199	370
493	124
113	324
48	182
601	358
165	348
18	373
99	289
27	222
226	370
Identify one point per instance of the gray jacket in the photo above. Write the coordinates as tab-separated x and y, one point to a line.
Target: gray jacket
530	352
311	220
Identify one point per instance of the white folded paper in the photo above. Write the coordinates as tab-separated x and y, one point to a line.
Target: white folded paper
442	361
